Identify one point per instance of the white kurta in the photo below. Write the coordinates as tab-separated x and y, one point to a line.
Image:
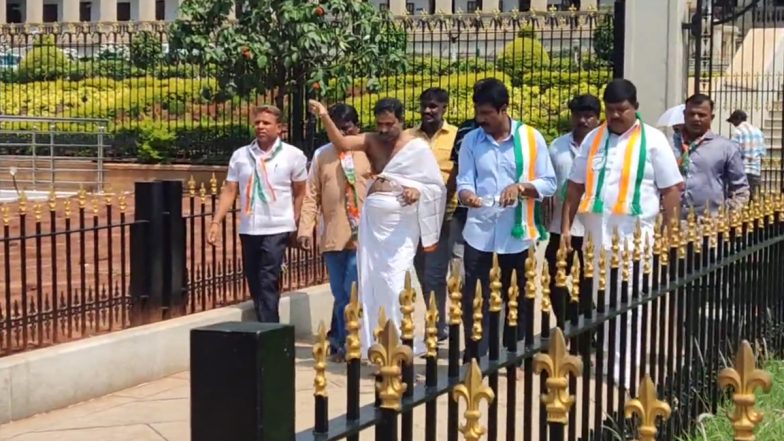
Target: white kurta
390	232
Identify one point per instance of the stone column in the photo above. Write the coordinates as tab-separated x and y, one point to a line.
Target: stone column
444	6
34	11
397	7
655	65
70	12
2	11
538	5
107	10
489	5
588	4
145	10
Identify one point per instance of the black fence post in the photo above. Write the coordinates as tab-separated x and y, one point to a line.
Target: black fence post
147	256
619	35
235	366
174	251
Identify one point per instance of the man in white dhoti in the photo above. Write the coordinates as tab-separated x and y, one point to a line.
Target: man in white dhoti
405	205
623	171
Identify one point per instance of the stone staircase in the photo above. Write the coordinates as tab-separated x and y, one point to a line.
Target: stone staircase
773	128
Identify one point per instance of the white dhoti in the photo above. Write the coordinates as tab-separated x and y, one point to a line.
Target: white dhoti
388	239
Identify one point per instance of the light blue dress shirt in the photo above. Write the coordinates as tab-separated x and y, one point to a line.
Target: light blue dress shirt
487	167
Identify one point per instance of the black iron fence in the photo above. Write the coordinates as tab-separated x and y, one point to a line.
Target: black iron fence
163	107
671	310
86	264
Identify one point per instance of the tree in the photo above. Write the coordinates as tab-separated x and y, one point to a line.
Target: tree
146	50
603	38
275	44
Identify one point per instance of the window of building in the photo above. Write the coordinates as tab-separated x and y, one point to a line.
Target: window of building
383	7
410	8
524	5
50	13
13	13
778	3
85	11
160	10
124	11
471	6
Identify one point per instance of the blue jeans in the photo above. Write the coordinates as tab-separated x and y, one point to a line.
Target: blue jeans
342	268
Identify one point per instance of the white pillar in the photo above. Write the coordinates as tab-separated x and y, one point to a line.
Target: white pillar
538	5
145	10
489	5
588	4
107	10
34	11
444	6
397	7
70	12
655	65
2	11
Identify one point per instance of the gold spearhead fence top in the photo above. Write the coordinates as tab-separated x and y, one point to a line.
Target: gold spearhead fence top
476	329
82	195
388	354
560	265
22	204
558	364
382	321
122	202
431	327
202	193
683	241
657	237
353	314
108	198
664	259
546	300
213	185
588	257
192	187
627	264
495	286
67	207
320	362
530	274
473	391
647	257
52	200
615	256
95	204
675	234
648	409
637	240
37	211
744	378
602	269
407	297
6	215
455	295
575	294
511	305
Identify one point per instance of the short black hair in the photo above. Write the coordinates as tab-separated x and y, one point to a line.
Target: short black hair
738	115
436	94
344	112
620	90
391	105
491	91
698	99
585	103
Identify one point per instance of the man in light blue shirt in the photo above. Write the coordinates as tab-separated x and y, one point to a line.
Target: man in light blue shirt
504	168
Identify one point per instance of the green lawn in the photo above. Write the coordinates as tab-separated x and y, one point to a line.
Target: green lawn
719	428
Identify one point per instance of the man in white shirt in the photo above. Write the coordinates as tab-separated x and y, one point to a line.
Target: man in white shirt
505	170
270	178
585	113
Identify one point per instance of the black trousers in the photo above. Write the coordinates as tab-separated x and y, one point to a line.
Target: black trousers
262	258
477	270
560	299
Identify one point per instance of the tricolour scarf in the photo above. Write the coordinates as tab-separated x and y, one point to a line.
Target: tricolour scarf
258	186
352	198
528	212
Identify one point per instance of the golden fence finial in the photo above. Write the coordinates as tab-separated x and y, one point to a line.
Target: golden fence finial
495	286
455	295
192	187
648	408
721	220
657	237
575	273
431	327
637	241
108	198
122	202
473	391
202	193
615	256
52	200
558	364
476	329
95	204
213	185
588	258
627	264
744	378
560	265
82	197
407	298
67	207
320	362
602	269
647	257
511	304
353	314
675	234
546	300
388	354
6	215
22	202
664	258
530	274
382	321
37	211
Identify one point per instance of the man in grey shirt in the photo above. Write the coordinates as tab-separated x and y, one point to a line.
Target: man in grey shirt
711	164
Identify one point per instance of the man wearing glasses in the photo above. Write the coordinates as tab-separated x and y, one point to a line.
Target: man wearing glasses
505	171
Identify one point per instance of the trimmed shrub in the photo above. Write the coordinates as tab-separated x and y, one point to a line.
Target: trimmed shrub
523	56
44	62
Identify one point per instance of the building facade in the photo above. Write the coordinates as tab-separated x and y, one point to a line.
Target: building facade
73	11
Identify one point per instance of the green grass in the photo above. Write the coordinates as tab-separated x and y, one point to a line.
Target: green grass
719	428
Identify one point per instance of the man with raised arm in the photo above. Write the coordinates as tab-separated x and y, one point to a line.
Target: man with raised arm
404	205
